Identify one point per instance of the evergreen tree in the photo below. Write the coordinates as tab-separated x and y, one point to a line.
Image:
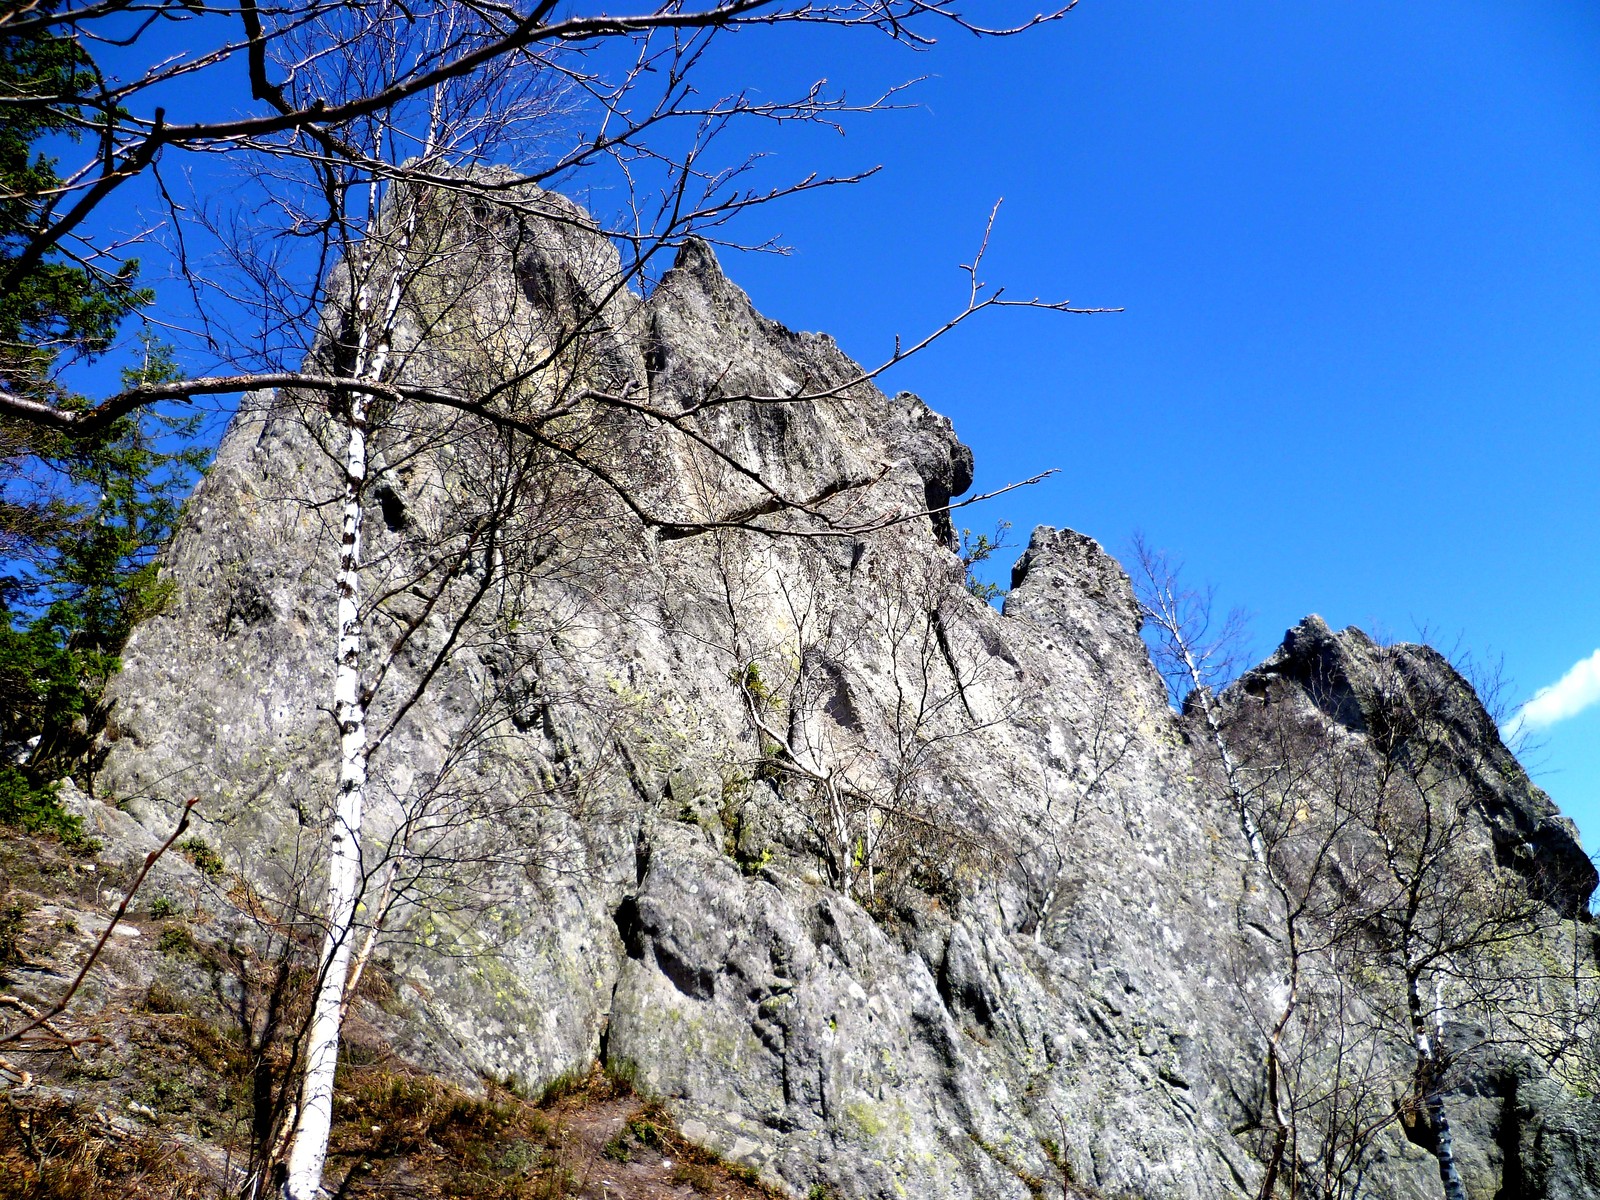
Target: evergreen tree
67	305
76	577
80	519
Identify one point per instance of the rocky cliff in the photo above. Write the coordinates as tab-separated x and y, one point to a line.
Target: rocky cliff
698	759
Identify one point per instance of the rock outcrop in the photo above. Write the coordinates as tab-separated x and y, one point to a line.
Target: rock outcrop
1340	674
709	767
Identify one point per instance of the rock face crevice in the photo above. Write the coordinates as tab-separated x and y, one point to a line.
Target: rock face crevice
881	889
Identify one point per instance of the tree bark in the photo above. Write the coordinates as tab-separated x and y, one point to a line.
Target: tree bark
308	1149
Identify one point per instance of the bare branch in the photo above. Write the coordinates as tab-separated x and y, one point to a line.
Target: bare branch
42	1019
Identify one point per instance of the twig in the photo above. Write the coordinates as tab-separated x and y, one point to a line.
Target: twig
150	860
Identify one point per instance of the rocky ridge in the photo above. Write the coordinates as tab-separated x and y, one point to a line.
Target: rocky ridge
1029	961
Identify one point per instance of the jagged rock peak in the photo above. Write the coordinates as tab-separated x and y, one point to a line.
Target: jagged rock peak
697	258
1355	680
1059	571
1064	560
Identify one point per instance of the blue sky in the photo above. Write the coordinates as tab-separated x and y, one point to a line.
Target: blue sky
1359	251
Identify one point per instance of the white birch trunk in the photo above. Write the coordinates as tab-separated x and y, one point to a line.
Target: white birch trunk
1230	768
1449	1173
308	1147
1427	1073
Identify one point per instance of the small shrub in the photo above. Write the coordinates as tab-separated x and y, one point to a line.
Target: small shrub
568	1083
754	866
175	940
977	548
645	1127
391	1124
166	1094
206	860
750	680
161	908
520	1157
162	1000
36	808
13	919
697	1175
622	1075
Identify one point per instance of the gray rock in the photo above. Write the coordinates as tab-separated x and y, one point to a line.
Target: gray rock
1065	963
1339	673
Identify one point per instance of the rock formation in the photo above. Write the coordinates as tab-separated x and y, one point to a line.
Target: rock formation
707	766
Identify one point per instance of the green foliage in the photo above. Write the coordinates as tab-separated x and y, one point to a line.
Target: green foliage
757	864
647	1128
175	940
81	523
770	768
622	1077
80	519
206	860
975	549
13	921
35	808
754	685
60	302
161	908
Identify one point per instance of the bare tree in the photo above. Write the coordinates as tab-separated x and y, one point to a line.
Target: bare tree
1329	1068
1103	746
1405	944
358	98
1197	656
861	757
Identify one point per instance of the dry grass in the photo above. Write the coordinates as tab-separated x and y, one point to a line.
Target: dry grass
52	1149
588	1136
179	1075
394	1126
650	1128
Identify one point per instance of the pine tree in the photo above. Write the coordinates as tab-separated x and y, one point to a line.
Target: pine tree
81	524
66	305
81	519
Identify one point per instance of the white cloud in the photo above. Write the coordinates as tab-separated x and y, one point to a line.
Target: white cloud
1566	697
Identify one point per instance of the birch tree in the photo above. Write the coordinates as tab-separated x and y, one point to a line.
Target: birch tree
1197	654
383	229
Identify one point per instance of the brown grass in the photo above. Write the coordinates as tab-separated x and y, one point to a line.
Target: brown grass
400	1133
388	1118
51	1149
170	1086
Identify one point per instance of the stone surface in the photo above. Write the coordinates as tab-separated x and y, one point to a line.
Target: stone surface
1055	964
1339	671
